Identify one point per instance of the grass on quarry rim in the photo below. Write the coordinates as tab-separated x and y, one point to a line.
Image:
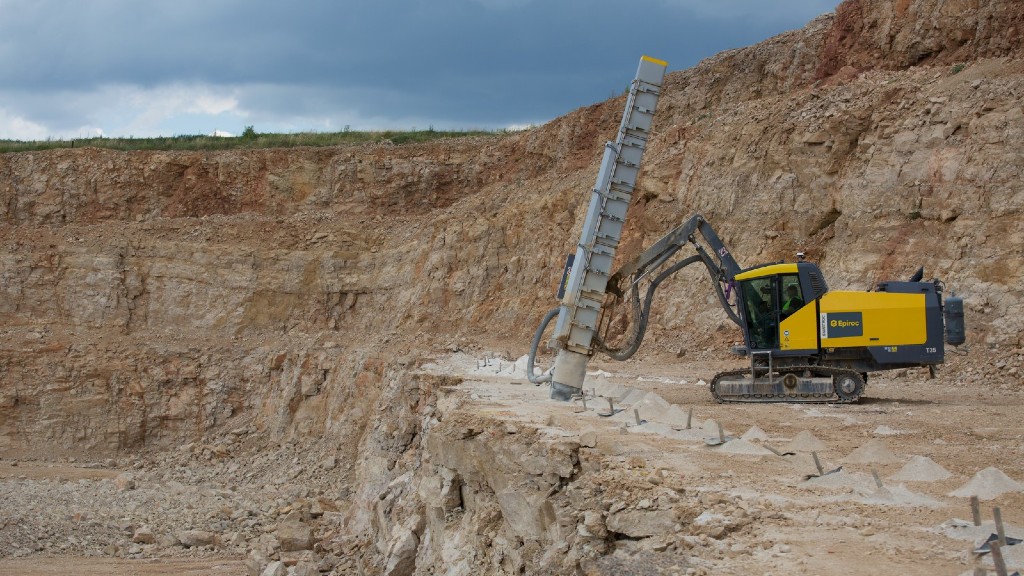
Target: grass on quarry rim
248	140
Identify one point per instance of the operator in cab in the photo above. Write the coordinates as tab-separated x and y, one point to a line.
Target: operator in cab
793	301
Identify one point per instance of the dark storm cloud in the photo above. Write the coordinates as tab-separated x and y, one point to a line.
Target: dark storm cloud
455	63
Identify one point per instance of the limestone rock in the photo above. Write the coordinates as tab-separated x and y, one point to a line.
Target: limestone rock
641	523
527	513
193	538
275	568
401	558
254	565
144	535
124	481
588	438
304	568
451	491
294	536
593	525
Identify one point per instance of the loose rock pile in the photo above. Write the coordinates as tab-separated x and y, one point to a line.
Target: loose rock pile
265	502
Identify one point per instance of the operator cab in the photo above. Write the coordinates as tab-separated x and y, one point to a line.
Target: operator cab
771	293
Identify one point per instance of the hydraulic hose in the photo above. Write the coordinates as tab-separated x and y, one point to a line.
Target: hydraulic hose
636	336
641	314
640	325
713	270
535	344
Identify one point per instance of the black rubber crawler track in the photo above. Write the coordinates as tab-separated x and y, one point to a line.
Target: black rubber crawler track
836	397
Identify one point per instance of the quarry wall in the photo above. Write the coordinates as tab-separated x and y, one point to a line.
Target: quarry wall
148	297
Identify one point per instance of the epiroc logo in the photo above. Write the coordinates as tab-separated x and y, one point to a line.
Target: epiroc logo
841	324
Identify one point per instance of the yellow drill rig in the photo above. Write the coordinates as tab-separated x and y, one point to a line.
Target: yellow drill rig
804	342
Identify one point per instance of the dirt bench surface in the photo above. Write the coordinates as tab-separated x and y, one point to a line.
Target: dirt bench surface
929	441
107	566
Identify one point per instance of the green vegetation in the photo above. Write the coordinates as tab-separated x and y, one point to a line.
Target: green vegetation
249	139
958	68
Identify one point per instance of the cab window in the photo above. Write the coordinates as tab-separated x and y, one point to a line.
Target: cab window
762	312
792	298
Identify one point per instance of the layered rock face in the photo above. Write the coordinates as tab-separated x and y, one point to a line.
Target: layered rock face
149	298
476	494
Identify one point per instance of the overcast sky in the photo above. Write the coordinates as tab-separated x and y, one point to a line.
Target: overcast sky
74	68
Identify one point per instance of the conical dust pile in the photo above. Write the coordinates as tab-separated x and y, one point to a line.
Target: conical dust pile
805	442
988	484
921	469
874	452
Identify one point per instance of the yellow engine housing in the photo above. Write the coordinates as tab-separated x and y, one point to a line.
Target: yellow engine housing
846	319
